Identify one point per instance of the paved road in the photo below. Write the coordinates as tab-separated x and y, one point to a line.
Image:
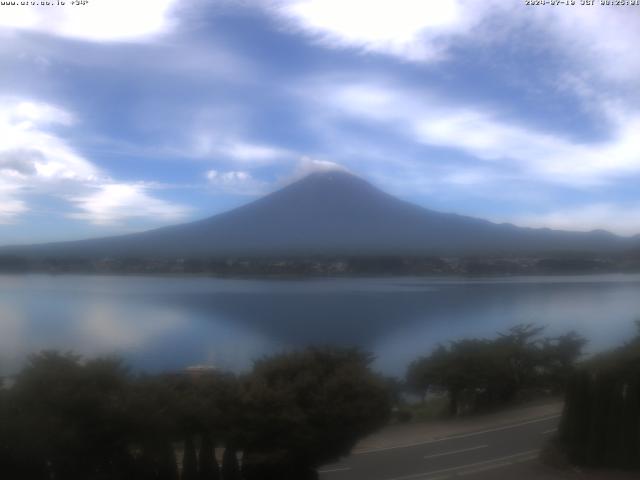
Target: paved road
470	454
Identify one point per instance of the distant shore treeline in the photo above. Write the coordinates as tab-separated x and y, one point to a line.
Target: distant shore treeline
569	263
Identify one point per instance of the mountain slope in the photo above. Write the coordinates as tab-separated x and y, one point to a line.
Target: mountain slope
332	213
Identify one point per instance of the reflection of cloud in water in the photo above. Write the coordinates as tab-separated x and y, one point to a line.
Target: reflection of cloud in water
205	340
13	337
168	323
235	348
108	327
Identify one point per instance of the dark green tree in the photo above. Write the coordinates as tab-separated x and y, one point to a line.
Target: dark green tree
190	460
600	426
167	467
72	416
482	374
427	374
208	467
574	425
308	408
230	467
559	356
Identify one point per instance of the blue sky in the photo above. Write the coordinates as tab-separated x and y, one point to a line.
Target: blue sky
122	115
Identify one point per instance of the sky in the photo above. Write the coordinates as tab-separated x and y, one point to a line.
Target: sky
123	115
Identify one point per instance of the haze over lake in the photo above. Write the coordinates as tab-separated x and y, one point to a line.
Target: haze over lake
158	323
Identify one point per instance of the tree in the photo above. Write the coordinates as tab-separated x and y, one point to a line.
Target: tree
153	412
304	409
208	467
427	373
559	356
72	417
190	460
230	467
519	348
480	374
167	469
600	425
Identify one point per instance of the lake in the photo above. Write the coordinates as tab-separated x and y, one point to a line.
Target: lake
158	323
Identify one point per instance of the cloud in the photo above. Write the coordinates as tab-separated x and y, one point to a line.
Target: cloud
29	148
215	176
235	182
244	183
248	152
112	203
415	30
231	147
98	20
34	158
595	37
488	135
223	133
10	206
307	166
617	218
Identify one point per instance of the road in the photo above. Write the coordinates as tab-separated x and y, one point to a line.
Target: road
473	454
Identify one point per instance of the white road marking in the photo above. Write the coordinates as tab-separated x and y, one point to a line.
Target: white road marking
521	459
469	468
456	437
480	469
547	432
332	470
453	452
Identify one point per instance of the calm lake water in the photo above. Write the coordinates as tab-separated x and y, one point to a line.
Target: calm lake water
158	323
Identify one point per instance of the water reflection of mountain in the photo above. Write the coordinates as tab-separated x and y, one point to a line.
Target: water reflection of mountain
366	317
165	322
345	318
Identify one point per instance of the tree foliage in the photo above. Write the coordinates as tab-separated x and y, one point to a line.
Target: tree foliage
93	420
479	374
600	426
307	408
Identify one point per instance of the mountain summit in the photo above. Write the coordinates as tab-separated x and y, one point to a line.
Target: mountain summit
332	212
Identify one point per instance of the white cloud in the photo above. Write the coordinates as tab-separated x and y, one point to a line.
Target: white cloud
250	152
28	147
215	176
220	133
10	206
244	183
410	29
112	203
597	38
32	156
231	147
36	159
236	182
488	135
307	166
98	20
620	219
